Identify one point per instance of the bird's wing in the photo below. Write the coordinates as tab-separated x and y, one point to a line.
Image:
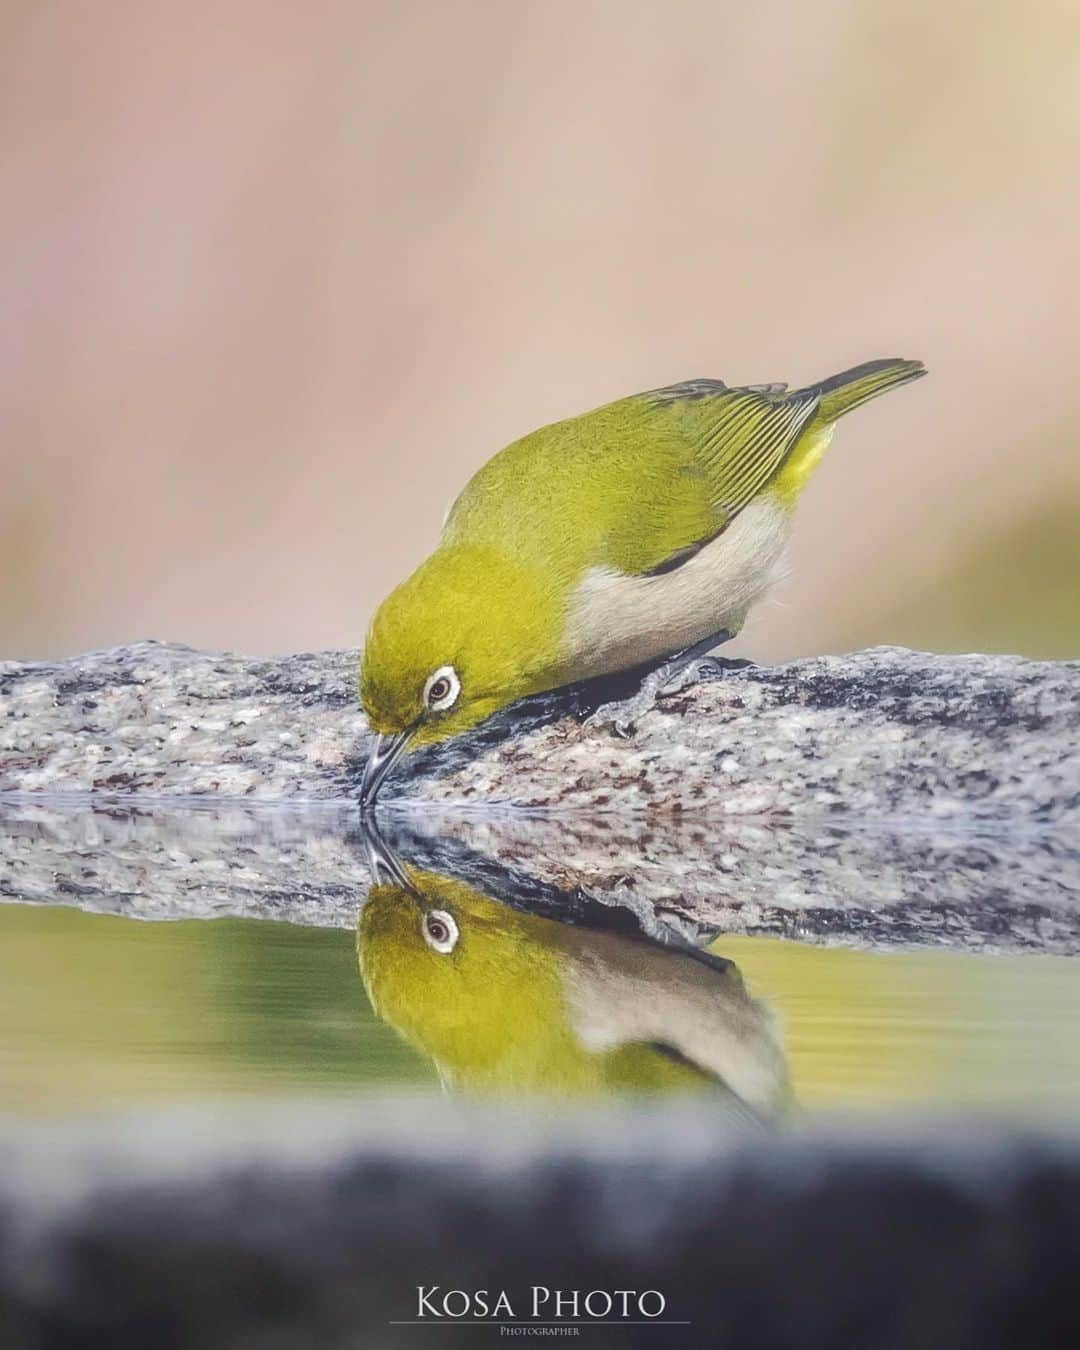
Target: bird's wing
637	486
739	438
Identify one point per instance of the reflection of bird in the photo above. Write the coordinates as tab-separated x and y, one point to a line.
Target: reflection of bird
644	528
506	1001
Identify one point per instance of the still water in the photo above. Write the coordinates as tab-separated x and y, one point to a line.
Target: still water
429	983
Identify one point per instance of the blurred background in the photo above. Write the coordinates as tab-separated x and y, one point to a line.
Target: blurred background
277	278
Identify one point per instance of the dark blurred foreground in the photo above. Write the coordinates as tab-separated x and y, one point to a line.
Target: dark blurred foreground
293	1227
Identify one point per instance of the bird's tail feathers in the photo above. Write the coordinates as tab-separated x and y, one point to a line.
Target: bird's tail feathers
852	388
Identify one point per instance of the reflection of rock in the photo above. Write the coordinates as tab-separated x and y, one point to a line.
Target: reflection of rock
817	881
1009	890
504	1001
184	860
313	1226
882	732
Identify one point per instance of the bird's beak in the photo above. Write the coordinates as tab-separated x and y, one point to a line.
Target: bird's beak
385	753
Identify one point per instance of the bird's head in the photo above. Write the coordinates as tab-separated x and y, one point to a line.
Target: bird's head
469	632
469	983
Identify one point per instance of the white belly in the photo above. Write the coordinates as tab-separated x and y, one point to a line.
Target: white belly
616	621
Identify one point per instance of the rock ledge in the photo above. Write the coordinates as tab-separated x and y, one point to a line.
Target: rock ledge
885	732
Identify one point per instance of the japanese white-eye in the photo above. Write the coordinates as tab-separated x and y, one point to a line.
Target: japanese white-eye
597	544
509	1002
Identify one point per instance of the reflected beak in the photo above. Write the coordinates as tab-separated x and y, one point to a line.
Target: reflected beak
383	863
385	753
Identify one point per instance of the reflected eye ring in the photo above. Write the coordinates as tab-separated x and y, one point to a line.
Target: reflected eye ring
442	689
440	931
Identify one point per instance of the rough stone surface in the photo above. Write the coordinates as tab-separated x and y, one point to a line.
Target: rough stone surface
162	719
885	732
314	1226
1005	890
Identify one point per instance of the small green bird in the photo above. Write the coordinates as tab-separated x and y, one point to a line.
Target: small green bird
508	1002
642	531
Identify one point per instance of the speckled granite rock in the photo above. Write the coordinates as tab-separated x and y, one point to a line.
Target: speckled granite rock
885	732
1007	890
159	718
314	1226
881	732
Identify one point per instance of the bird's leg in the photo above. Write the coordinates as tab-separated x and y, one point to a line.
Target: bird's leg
676	673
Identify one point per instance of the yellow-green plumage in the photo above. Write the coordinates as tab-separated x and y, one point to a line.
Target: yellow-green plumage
524	1004
611	538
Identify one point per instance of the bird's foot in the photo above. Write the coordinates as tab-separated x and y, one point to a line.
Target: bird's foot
671	678
622	714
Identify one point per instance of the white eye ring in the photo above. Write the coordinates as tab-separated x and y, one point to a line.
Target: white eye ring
437	697
440	931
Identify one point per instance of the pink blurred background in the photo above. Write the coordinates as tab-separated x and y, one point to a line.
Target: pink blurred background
277	278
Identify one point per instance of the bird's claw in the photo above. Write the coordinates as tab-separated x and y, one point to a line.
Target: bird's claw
697	672
622	716
614	715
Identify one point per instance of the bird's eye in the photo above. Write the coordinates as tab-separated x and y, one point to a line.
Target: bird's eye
442	689
440	931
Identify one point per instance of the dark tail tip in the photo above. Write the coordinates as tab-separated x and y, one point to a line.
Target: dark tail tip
850	389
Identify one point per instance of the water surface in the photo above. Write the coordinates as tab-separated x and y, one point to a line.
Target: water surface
99	1011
